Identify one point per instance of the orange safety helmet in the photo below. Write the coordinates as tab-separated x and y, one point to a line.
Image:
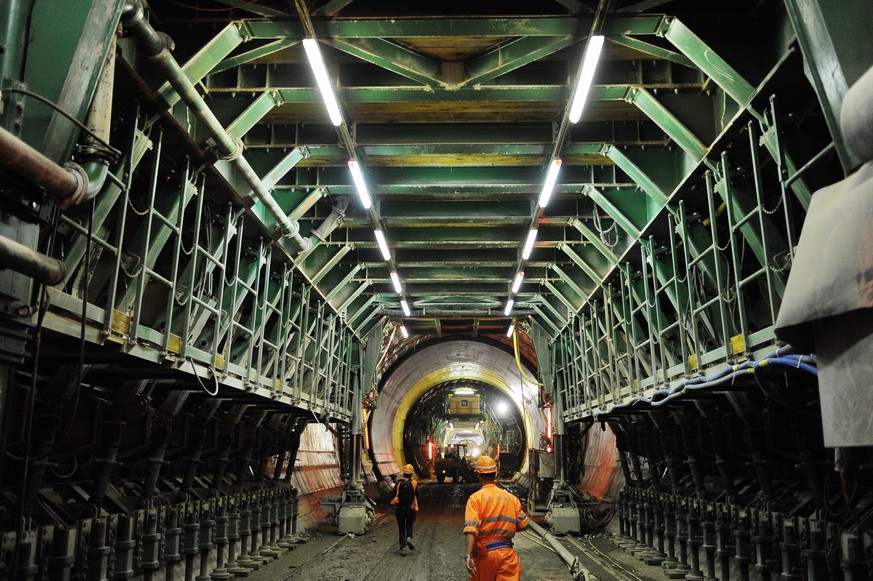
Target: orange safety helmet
486	465
408	469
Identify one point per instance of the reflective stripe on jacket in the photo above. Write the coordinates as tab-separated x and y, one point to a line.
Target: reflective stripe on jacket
493	514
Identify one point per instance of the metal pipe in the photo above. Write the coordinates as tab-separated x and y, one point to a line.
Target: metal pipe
576	568
330	223
20	258
62	182
154	46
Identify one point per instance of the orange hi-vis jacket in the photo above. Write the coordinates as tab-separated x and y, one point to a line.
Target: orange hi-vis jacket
493	515
395	500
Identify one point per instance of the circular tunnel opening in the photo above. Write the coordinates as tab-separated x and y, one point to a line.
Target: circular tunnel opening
455	422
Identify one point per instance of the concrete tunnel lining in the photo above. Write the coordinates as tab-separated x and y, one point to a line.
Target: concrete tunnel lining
434	365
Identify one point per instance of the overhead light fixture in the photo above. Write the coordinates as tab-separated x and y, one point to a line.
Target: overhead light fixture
405	306
396	280
589	65
516	284
313	53
511	330
383	245
528	245
508	308
465	391
361	186
404	332
549	185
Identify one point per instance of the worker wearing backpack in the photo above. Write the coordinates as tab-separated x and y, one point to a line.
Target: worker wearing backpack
406	499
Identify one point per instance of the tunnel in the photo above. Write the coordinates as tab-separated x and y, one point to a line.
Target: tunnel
267	264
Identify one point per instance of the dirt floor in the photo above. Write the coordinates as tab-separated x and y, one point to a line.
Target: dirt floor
439	549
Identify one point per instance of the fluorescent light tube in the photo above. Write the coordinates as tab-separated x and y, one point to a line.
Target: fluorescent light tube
528	245
508	308
383	245
396	280
516	284
360	185
589	65
511	330
404	332
310	45
405	306
549	184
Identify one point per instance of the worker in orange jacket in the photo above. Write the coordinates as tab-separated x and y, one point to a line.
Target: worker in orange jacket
490	521
406	501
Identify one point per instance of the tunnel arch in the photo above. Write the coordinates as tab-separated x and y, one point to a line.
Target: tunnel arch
433	365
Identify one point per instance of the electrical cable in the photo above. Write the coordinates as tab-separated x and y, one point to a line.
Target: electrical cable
518	359
197	375
75	121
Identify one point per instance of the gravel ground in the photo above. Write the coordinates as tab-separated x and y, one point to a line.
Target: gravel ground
438	554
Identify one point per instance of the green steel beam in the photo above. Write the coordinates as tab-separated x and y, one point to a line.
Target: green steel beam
555	313
595	241
453	27
580	262
432	94
331	7
360	329
576	6
343	282
284	166
254	54
329	264
643	5
652	50
512	55
668	122
635	173
259	108
393	57
254	8
708	61
613	212
205	60
341	308
561	296
570	282
304	206
546	319
360	310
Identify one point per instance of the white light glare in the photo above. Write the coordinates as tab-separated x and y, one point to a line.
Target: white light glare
508	308
360	185
516	284
396	280
502	408
511	330
404	332
549	184
528	245
310	45
383	245
405	306
589	65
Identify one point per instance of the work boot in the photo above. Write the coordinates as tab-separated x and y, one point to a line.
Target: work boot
404	551
409	543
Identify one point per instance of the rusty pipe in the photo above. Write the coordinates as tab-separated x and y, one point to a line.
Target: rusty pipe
20	258
62	182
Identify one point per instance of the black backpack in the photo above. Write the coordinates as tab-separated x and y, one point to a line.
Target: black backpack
405	492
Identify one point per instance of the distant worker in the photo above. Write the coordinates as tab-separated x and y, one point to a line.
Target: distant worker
406	499
490	521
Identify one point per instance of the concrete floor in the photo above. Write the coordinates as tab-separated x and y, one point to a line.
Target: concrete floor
439	541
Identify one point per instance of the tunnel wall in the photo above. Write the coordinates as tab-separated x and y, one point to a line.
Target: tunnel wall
316	473
433	365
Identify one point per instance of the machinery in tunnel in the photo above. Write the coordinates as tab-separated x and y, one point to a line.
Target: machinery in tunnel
455	422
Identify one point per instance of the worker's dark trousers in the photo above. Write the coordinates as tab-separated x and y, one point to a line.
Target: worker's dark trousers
405	519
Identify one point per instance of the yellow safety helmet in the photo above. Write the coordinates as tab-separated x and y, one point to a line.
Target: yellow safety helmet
486	465
408	469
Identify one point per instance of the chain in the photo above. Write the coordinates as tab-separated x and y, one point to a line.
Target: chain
774	210
128	273
135	211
